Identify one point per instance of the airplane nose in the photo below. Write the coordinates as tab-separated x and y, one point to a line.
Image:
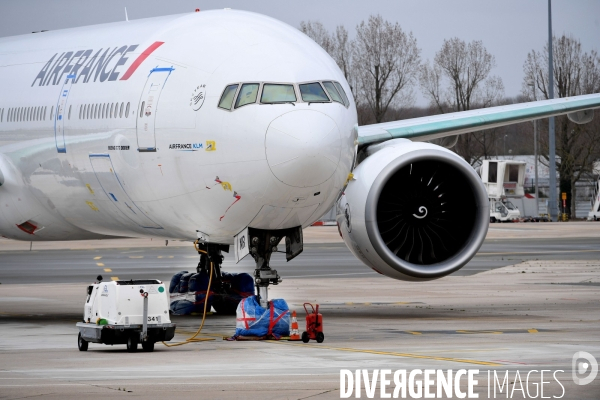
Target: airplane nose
303	147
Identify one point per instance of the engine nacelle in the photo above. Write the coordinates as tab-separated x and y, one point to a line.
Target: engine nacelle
414	211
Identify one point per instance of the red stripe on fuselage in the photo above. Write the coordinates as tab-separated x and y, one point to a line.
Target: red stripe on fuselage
141	59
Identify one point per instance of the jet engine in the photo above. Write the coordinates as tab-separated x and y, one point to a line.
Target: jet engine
413	211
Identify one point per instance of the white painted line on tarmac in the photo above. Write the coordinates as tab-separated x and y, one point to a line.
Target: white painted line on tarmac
191	383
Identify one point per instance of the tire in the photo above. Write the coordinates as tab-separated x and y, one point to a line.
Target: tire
305	337
320	337
492	219
132	343
148	346
82	344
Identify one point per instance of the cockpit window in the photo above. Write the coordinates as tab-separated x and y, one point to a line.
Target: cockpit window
313	92
342	93
277	93
333	93
247	95
227	97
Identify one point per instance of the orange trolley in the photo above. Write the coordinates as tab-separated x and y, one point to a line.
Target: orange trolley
314	325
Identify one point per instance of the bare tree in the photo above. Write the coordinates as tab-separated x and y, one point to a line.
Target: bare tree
385	61
342	54
337	44
317	32
575	73
459	80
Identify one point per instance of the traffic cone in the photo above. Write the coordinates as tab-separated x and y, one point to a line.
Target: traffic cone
294	335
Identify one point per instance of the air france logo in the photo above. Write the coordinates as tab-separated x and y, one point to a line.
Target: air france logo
186	146
105	64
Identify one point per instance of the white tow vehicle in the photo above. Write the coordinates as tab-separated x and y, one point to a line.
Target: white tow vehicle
503	211
126	312
503	179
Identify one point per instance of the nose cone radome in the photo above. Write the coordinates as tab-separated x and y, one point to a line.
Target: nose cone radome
303	148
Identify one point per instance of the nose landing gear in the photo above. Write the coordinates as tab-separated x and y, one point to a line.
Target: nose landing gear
263	244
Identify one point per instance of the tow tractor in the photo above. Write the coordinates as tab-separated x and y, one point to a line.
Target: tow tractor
503	179
126	312
502	210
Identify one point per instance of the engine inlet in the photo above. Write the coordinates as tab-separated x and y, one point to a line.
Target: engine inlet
426	212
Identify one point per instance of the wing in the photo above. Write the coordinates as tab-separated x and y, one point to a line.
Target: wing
438	126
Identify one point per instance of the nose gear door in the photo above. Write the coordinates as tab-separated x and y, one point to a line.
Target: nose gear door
146	115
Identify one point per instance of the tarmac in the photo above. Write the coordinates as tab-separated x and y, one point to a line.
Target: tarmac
527	302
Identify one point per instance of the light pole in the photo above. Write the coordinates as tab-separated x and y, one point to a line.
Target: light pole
535	155
535	163
505	146
553	202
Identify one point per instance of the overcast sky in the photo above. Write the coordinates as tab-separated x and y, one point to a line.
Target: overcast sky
509	29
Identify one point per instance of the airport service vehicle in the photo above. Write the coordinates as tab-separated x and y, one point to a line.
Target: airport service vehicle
126	312
503	211
232	129
503	179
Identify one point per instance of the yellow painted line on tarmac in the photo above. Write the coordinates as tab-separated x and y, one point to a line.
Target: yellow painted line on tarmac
114	278
107	270
100	264
394	354
159	257
136	256
414	333
532	330
97	258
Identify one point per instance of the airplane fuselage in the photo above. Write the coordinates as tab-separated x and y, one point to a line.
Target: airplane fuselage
120	130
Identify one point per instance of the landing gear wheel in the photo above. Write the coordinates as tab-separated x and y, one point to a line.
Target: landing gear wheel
82	343
305	337
320	337
148	346
132	343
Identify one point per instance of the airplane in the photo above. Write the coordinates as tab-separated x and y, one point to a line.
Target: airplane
230	128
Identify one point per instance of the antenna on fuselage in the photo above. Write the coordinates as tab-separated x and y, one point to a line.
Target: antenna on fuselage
126	17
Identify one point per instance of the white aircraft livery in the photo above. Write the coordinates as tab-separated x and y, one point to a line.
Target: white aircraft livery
230	128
